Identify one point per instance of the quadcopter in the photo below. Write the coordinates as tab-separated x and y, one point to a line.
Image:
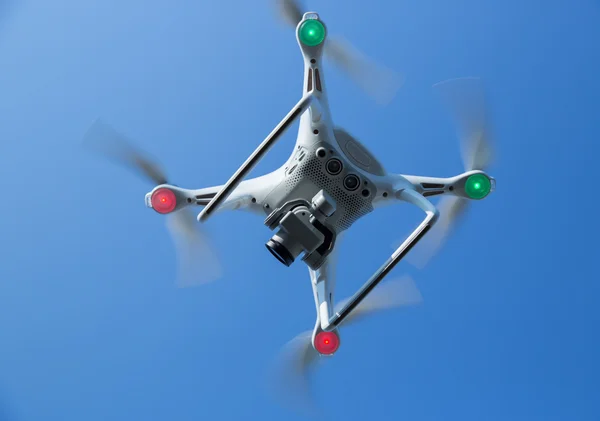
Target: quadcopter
330	181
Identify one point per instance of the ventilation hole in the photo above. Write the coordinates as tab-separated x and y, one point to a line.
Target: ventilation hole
432	186
385	194
432	193
354	206
313	61
254	200
315	131
451	188
317	80
309	83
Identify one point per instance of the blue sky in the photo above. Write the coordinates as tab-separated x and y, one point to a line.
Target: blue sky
92	325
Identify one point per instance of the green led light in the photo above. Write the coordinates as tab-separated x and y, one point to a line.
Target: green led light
478	186
311	32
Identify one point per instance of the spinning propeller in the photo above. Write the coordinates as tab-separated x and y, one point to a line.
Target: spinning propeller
290	376
197	260
376	80
465	100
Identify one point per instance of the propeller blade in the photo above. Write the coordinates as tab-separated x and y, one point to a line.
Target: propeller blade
103	138
451	209
465	100
290	376
391	294
197	260
377	81
290	11
298	360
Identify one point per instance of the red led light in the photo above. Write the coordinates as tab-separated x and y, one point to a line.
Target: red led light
327	343
163	200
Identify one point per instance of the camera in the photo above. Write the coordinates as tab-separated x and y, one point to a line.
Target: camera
302	229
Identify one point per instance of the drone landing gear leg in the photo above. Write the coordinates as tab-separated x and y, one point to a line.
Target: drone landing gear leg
431	212
256	156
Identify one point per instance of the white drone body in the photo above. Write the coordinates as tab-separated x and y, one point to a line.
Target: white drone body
328	183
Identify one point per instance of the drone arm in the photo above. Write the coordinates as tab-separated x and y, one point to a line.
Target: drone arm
431	215
431	186
448	186
233	202
323	284
422	183
205	195
255	157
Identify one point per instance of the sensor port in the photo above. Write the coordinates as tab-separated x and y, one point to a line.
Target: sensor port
351	182
334	166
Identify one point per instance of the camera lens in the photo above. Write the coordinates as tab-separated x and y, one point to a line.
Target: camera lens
280	252
334	166
284	247
351	182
